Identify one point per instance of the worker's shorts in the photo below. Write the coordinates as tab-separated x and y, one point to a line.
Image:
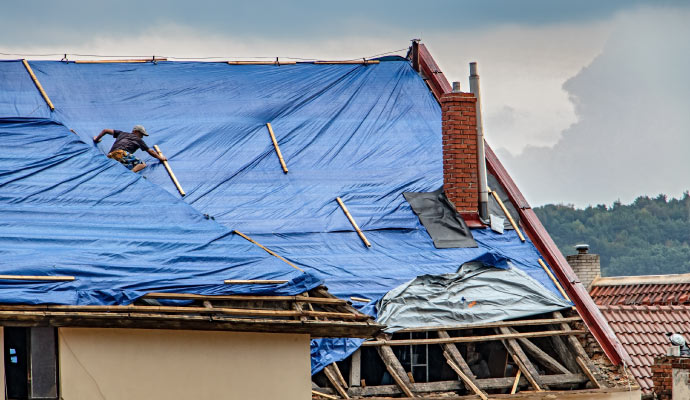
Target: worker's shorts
125	158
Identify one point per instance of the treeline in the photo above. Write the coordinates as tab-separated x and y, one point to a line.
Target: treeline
650	236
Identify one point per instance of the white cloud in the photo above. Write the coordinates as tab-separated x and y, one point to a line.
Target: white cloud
632	131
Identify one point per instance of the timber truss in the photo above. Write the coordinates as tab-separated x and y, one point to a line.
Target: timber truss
316	312
535	355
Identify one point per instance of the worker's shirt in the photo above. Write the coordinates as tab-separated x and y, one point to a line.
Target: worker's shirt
128	142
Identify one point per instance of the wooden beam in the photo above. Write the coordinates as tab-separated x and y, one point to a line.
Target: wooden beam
396	370
522	361
510	217
541	356
210	322
348	62
331	375
170	172
524	322
360	299
178	310
584	362
352	221
468	339
254	282
262	62
553	279
190	296
356	368
38	85
588	372
277	148
324	395
451	352
36	278
515	384
269	251
447	386
132	61
465	378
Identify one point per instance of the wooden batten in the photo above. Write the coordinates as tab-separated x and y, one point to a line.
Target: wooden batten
189	296
276	63
469	339
269	251
348	62
131	61
352	222
554	280
38	85
277	148
170	172
46	278
510	217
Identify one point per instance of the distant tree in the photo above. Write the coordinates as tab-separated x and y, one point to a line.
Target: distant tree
649	236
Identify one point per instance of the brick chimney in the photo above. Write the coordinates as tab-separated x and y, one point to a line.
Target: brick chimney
460	167
586	266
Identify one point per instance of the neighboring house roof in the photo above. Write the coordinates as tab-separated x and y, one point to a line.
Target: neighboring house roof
642	330
642	290
642	310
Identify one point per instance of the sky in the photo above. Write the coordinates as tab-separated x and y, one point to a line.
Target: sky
585	102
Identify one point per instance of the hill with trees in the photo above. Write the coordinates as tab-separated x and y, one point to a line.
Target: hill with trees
650	236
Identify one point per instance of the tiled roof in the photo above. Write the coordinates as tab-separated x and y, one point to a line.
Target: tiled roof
642	330
641	294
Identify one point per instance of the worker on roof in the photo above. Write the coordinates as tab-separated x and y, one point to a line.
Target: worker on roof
126	143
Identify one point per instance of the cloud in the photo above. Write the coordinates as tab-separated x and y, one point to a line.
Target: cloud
632	135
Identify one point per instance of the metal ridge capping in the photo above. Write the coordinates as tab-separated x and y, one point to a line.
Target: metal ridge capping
586	307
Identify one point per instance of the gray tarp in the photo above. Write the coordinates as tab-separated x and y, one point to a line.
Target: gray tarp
475	294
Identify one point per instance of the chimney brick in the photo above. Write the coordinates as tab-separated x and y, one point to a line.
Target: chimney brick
586	266
460	160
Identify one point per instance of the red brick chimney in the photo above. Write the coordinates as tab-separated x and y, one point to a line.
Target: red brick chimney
460	166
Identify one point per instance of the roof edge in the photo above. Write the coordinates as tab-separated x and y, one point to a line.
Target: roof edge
670	279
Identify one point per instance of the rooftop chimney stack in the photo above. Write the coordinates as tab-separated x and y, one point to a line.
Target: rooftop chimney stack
460	159
586	266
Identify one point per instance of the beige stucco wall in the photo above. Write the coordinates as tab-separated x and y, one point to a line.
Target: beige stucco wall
169	364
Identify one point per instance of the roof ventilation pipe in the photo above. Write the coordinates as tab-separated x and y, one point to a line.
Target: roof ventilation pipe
481	159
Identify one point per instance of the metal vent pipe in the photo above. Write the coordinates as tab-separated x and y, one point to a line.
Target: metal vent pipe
483	191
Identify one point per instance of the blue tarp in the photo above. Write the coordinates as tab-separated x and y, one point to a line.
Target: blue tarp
366	133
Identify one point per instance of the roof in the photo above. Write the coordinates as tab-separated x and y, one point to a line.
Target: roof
642	290
642	330
362	132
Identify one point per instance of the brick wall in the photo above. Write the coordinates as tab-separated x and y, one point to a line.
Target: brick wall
670	375
460	167
586	266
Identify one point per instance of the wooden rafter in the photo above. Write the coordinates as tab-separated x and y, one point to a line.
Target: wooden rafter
523	362
581	356
541	356
451	352
468	339
396	370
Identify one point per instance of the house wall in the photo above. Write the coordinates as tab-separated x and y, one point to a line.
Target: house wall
174	364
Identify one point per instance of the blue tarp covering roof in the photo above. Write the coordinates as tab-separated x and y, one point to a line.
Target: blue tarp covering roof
366	133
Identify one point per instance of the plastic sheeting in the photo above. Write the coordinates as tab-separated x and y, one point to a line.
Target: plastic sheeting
68	210
439	217
475	294
366	133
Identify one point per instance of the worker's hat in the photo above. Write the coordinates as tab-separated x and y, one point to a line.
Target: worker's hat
139	128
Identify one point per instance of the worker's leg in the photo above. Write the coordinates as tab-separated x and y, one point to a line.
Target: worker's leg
138	167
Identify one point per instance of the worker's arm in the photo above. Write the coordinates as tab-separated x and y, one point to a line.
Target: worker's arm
156	155
104	132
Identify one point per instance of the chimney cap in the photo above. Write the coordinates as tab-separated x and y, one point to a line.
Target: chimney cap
456	87
582	248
